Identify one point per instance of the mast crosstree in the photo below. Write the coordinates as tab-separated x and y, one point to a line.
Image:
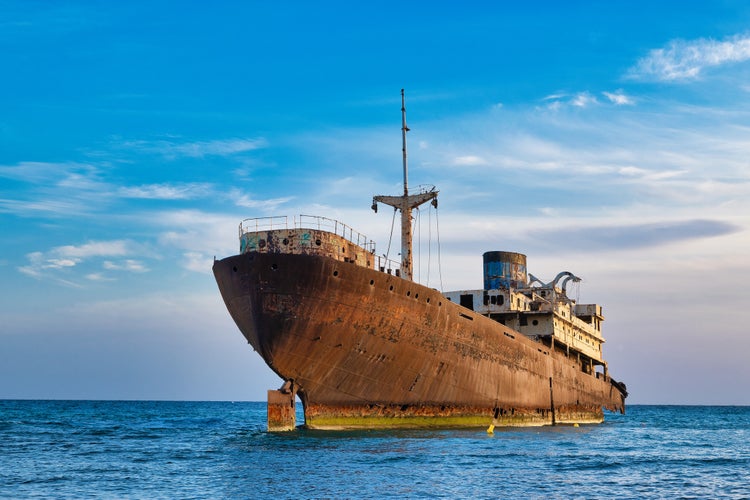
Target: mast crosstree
406	203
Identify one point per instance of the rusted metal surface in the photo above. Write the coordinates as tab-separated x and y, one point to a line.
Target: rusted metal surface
281	411
312	235
369	349
374	415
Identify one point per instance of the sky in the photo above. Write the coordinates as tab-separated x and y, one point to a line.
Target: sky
609	139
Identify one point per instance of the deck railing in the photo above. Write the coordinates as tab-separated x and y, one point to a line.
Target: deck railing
315	222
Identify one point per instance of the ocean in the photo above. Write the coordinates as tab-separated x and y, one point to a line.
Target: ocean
140	449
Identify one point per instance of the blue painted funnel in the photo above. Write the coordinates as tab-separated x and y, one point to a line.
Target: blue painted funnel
504	270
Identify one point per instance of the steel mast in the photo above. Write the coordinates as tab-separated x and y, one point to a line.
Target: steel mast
406	203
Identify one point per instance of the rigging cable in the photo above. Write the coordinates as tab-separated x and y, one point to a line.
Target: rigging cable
440	265
418	229
429	243
390	238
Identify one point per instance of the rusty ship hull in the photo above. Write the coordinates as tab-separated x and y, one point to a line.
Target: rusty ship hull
364	348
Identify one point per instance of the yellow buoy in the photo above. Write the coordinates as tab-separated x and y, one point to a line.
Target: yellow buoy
491	429
575	425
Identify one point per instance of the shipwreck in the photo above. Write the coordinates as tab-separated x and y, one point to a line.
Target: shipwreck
364	346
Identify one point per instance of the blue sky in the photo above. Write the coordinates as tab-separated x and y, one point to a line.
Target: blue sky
610	139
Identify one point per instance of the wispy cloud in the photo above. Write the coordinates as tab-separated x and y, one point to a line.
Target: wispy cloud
166	191
34	172
619	98
113	248
586	99
53	189
632	236
64	189
469	160
687	59
130	265
645	175
98	277
583	99
50	207
66	257
247	201
174	149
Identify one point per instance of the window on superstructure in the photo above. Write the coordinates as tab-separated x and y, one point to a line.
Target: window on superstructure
467	300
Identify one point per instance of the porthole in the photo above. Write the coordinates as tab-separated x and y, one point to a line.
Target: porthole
535	322
274	266
428	300
372	282
317	242
234	269
335	273
408	293
390	288
416	295
261	243
286	241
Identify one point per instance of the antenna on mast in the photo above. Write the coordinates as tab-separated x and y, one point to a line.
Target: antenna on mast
406	202
404	130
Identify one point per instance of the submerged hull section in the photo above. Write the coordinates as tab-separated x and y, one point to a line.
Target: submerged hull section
364	348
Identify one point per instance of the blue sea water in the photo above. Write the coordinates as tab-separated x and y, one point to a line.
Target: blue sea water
109	449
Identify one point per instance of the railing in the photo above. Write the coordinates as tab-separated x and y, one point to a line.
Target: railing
387	265
336	227
307	222
263	224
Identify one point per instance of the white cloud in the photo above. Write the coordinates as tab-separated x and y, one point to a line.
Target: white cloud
686	60
246	201
580	100
58	261
469	160
649	175
219	147
166	191
54	190
47	208
126	265
40	172
98	277
114	248
583	99
197	149
618	98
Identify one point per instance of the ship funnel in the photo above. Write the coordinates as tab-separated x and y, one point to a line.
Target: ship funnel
504	270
